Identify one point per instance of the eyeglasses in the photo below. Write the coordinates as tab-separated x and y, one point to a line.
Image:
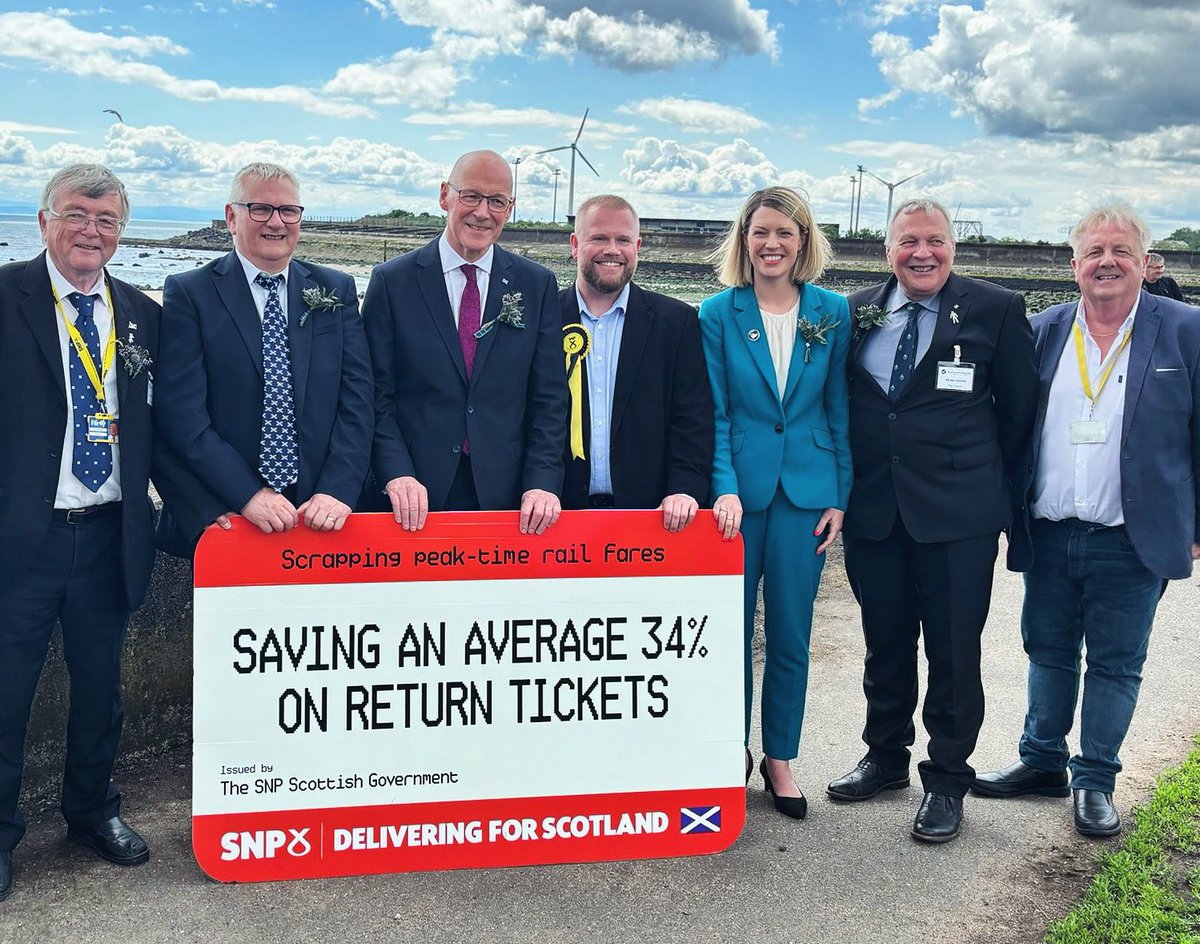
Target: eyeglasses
78	222
262	212
472	199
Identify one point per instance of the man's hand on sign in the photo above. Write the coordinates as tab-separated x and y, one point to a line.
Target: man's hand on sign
678	511
324	513
410	502
269	511
539	510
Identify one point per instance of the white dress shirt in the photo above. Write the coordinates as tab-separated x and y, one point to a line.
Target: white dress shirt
259	293
1083	480
456	280
72	493
781	340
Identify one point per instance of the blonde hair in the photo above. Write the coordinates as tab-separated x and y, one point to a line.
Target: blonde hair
607	201
732	257
1121	215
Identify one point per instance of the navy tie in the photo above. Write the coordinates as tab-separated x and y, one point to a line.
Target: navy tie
906	352
91	462
279	453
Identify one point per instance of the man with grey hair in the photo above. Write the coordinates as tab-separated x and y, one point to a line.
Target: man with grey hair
1109	497
942	389
1156	282
77	348
270	399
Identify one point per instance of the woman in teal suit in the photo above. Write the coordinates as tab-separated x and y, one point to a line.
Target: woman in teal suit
776	350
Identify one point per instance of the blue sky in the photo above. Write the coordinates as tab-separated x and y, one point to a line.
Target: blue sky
1018	113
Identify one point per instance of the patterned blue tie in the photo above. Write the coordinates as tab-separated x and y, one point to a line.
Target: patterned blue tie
91	462
278	456
906	352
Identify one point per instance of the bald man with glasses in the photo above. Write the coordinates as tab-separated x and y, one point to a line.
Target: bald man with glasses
467	350
269	397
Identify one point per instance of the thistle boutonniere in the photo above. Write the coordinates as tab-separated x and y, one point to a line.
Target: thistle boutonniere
868	317
135	357
510	314
815	333
318	299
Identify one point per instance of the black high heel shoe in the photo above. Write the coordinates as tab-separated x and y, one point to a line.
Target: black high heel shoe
749	765
795	807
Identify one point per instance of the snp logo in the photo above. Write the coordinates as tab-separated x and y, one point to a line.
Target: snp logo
265	844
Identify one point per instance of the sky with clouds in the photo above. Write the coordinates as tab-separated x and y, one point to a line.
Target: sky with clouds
1019	113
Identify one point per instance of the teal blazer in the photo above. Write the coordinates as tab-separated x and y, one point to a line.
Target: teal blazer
800	441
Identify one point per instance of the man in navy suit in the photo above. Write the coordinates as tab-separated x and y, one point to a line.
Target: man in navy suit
270	400
1109	503
77	348
643	437
942	390
467	348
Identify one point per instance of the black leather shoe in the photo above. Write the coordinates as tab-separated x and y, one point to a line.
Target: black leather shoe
6	874
938	818
112	840
865	781
749	766
1095	814
1020	780
795	807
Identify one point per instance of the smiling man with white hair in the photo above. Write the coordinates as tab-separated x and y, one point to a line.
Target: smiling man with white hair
1109	500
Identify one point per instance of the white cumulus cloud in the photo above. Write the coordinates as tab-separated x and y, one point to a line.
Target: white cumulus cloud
695	115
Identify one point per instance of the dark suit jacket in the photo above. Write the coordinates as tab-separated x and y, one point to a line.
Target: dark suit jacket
661	434
1165	287
32	383
209	406
515	408
944	460
1160	432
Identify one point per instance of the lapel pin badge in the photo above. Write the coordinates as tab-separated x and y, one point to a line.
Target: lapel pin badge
954	315
753	334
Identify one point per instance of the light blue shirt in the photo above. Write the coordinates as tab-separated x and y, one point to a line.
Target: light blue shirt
878	351
605	330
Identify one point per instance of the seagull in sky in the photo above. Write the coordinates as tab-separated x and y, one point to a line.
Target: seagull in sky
113	111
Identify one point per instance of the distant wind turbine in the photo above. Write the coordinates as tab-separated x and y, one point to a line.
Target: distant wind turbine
574	149
891	189
113	111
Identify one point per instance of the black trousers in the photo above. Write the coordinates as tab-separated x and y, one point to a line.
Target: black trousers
75	579
940	591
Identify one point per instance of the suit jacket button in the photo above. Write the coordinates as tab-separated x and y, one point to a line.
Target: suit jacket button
470	409
895	460
891	416
53	455
456	449
779	428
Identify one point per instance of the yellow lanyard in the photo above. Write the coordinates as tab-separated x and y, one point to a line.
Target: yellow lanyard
1104	374
81	348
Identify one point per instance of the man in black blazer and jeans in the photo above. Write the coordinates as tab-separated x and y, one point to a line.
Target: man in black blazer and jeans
942	392
641	430
77	348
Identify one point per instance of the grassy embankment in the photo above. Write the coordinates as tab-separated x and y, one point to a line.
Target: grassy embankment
1148	892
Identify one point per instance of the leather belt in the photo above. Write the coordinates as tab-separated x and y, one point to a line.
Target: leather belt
84	515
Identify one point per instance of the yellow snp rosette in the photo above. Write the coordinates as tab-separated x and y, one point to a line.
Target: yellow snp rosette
576	344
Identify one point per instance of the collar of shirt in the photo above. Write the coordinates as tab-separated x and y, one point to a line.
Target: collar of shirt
65	288
257	292
1126	325
620	304
898	300
252	271
451	260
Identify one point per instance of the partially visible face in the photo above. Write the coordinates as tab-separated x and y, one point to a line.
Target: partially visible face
921	252
80	255
1154	270
471	230
605	244
773	242
267	245
1108	265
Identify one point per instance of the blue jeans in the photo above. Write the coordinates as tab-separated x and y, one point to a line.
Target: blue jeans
1086	585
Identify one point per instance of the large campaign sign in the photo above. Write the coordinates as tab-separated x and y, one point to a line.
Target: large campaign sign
376	700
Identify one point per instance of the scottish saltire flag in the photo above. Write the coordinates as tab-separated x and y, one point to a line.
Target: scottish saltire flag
700	819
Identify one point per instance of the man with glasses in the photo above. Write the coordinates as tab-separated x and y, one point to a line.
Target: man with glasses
1156	282
466	345
269	401
77	349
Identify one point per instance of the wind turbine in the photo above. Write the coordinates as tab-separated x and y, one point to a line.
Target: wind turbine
574	148
516	163
891	187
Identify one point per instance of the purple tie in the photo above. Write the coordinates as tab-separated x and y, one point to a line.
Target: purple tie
469	317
